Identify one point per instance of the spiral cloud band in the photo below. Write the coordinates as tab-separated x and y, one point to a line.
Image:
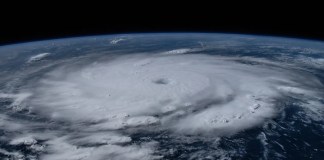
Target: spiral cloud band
93	109
186	94
162	96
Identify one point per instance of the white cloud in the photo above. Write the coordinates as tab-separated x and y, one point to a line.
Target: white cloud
17	99
117	40
100	138
15	155
60	149
210	93
27	140
9	124
102	105
38	57
177	51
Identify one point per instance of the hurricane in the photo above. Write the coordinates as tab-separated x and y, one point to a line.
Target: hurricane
130	106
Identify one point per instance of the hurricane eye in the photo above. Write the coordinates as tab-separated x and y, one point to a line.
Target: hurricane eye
161	81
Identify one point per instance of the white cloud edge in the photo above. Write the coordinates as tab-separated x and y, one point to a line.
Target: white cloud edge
37	57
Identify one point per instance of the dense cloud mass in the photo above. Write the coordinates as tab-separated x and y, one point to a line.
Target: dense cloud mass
188	93
184	94
94	110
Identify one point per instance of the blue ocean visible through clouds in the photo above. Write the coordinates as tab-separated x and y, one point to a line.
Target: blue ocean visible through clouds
162	96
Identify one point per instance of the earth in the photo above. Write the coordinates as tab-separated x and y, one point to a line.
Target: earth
162	96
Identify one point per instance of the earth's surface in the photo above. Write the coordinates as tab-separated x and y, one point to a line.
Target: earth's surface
162	96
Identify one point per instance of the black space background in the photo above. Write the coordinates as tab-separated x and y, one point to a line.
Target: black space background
54	21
